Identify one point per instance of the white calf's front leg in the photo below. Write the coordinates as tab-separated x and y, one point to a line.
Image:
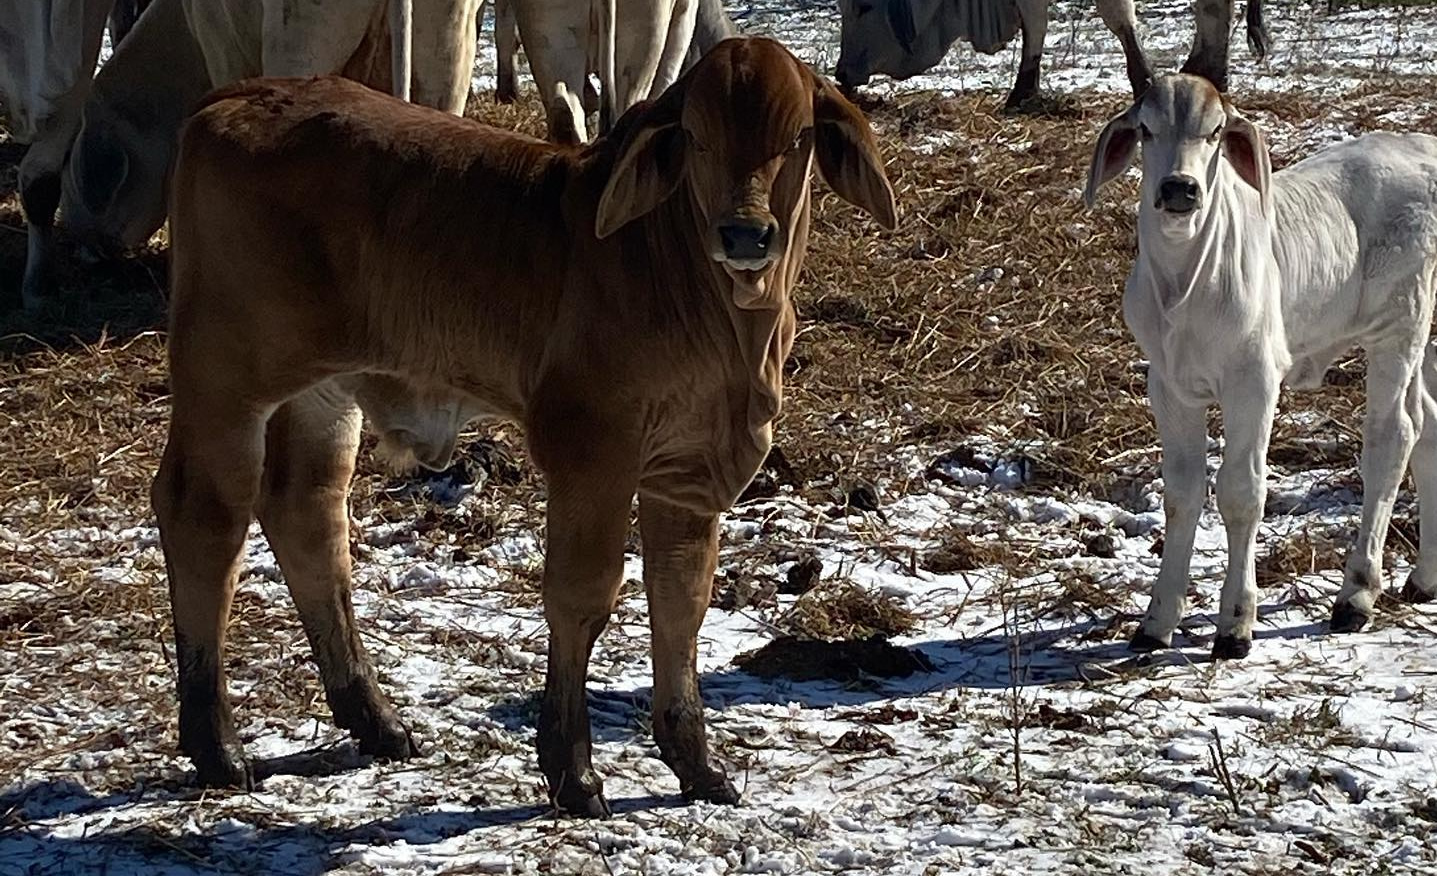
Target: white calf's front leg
1247	411
1422	583
1183	429
1389	431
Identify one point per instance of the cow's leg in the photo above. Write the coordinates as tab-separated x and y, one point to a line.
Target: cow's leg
680	552
203	497
1389	431
1183	429
587	521
506	48
1421	584
445	38
1247	411
297	39
39	185
1033	16
556	44
676	46
639	48
1122	20
309	459
1211	34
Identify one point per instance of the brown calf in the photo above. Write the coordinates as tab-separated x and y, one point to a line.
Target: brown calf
335	250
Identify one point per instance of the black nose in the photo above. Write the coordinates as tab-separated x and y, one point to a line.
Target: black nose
1178	194
746	240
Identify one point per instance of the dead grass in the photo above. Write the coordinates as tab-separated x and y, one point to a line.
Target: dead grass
959	552
993	309
1302	554
842	610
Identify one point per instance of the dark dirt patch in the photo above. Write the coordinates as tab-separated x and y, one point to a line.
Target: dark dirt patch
848	661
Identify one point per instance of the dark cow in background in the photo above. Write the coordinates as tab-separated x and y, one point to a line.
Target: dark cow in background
48	50
903	38
124	16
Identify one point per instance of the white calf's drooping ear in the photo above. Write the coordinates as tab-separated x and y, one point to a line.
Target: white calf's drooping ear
1246	151
1117	145
648	169
848	155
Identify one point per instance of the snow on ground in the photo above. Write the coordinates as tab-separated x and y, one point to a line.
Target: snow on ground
1328	756
1036	744
1314	50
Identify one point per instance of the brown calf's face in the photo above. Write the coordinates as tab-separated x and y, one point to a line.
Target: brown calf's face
1187	130
742	129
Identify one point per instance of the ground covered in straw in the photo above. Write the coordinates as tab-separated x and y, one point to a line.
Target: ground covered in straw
914	662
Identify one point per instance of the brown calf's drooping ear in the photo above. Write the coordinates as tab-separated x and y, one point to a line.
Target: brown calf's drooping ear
1245	150
1116	146
649	167
848	155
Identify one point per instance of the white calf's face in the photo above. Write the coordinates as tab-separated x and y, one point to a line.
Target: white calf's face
1180	126
1188	133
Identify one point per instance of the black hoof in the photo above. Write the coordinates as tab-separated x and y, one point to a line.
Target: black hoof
582	805
1230	648
224	766
389	740
1143	643
1414	595
1347	619
717	790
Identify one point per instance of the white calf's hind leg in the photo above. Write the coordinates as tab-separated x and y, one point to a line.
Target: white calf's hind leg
1184	436
1422	583
1394	398
1247	412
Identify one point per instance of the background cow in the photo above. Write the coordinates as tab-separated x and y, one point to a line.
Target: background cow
115	183
48	50
712	25
903	38
638	48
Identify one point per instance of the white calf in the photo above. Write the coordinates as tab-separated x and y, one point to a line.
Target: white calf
1246	280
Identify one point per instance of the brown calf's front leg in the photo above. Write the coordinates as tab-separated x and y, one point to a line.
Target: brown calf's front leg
680	553
587	522
203	497
309	461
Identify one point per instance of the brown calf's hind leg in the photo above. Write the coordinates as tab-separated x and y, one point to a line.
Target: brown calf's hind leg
309	460
680	552
203	497
582	572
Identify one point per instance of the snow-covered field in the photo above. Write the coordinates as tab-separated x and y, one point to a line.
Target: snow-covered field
1028	741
